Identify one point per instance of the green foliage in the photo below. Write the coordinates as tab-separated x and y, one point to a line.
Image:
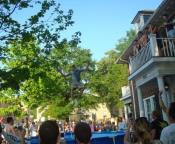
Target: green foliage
32	49
110	77
45	25
123	43
10	104
42	84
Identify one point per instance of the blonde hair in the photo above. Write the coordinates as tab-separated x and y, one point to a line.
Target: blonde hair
142	129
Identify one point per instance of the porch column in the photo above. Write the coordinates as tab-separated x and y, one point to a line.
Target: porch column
133	98
162	88
125	111
153	45
140	100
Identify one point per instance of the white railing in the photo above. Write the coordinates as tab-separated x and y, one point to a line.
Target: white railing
166	46
141	58
156	47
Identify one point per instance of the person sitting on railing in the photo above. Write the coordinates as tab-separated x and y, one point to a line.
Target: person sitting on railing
135	50
145	37
155	30
169	26
140	39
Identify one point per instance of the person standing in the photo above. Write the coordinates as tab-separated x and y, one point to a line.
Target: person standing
168	133
9	126
169	26
49	132
82	133
157	125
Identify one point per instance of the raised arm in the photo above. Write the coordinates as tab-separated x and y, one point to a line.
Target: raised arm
85	68
162	105
62	72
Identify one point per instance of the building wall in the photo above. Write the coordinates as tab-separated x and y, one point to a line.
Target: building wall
101	112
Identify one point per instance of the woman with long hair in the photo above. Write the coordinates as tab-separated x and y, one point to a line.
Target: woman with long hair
142	130
142	133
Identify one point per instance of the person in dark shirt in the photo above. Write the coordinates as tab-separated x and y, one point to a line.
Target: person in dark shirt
75	75
169	26
157	125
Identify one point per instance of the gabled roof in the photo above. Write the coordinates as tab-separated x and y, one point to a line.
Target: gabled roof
145	12
167	6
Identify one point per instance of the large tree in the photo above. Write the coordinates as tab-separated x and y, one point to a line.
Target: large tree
36	81
31	49
43	26
110	77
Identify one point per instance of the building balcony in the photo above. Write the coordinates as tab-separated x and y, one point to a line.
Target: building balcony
157	49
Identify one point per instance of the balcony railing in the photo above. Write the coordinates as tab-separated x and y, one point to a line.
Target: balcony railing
167	47
156	47
141	58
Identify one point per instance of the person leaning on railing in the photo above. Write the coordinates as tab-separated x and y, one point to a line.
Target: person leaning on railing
169	26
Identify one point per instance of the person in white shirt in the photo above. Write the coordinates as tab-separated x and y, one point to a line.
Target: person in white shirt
121	124
168	133
33	129
9	126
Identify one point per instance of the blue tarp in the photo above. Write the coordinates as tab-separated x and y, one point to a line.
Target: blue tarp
97	138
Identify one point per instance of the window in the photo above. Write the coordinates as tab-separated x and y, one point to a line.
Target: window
149	106
146	18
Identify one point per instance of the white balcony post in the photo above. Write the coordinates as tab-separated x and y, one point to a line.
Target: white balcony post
153	45
140	100
130	65
126	112
162	88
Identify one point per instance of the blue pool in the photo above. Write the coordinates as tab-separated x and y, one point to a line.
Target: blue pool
97	138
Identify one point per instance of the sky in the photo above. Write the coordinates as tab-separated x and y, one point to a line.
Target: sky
103	22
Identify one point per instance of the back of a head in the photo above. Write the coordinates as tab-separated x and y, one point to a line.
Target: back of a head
142	129
156	114
171	111
9	119
49	132
82	132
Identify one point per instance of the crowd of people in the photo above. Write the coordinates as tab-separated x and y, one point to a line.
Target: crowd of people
141	131
96	126
26	127
144	36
